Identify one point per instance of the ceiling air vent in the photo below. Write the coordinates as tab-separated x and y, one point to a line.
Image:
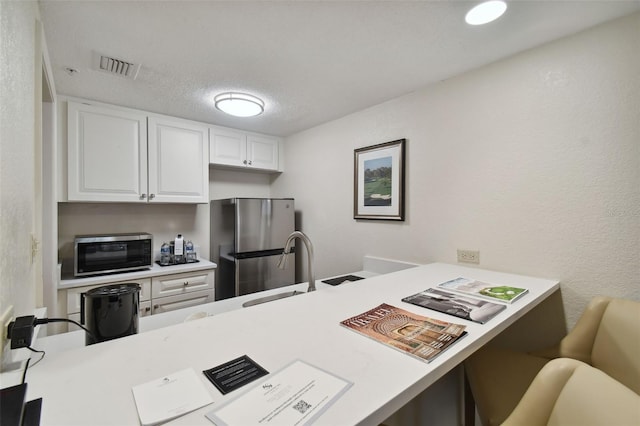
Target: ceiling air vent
116	66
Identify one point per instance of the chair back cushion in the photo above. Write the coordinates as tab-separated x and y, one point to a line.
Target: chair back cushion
591	397
570	392
616	348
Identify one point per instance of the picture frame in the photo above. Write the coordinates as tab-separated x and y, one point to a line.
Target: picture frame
379	181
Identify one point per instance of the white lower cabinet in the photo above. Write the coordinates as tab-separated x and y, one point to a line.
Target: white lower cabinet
145	308
177	284
161	293
177	291
172	303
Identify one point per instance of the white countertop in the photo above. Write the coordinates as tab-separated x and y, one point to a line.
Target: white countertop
92	385
156	270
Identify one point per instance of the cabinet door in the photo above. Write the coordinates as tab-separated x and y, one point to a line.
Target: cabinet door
169	285
262	152
178	161
107	154
145	308
172	303
227	147
73	300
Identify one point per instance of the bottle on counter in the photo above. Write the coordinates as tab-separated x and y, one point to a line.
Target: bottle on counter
189	252
179	249
165	254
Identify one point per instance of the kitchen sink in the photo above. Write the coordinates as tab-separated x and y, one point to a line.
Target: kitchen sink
271	298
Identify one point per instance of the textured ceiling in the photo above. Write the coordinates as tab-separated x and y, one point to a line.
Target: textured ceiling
310	61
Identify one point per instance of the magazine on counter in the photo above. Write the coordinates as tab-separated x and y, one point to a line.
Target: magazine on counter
419	336
460	306
482	290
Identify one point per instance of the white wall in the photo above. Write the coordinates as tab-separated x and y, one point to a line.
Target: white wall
232	183
534	161
18	47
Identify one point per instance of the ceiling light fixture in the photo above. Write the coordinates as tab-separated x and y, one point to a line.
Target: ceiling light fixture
239	104
486	12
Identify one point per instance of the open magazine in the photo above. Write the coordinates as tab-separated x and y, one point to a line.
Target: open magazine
486	291
457	305
422	337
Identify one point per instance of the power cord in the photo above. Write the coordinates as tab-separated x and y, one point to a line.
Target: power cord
26	367
48	320
20	331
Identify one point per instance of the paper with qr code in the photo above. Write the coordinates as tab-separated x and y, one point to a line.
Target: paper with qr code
294	395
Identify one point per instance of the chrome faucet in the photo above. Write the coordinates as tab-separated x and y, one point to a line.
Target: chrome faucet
282	263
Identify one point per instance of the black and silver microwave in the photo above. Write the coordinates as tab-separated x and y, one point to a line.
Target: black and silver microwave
105	254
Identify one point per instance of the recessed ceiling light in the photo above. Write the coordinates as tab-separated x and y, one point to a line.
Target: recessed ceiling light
239	104
486	12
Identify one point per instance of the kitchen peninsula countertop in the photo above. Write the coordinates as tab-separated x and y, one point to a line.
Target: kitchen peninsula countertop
76	339
92	385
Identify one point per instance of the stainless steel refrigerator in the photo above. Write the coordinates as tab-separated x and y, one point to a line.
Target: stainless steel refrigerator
247	238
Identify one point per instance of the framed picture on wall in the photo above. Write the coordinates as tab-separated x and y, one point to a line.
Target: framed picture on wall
379	181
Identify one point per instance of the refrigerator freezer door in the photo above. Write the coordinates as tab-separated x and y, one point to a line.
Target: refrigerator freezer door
261	273
263	224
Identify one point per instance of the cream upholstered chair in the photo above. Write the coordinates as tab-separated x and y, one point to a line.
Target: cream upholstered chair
570	392
607	336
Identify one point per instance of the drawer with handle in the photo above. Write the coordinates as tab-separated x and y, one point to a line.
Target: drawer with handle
170	285
172	303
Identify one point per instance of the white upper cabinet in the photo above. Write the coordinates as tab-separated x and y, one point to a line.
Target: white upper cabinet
178	161
122	155
107	154
229	147
262	152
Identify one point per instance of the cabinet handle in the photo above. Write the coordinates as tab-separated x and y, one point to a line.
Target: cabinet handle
143	196
250	163
152	196
186	283
155	307
148	308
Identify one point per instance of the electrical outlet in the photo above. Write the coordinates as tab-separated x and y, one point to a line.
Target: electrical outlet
468	256
5	319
